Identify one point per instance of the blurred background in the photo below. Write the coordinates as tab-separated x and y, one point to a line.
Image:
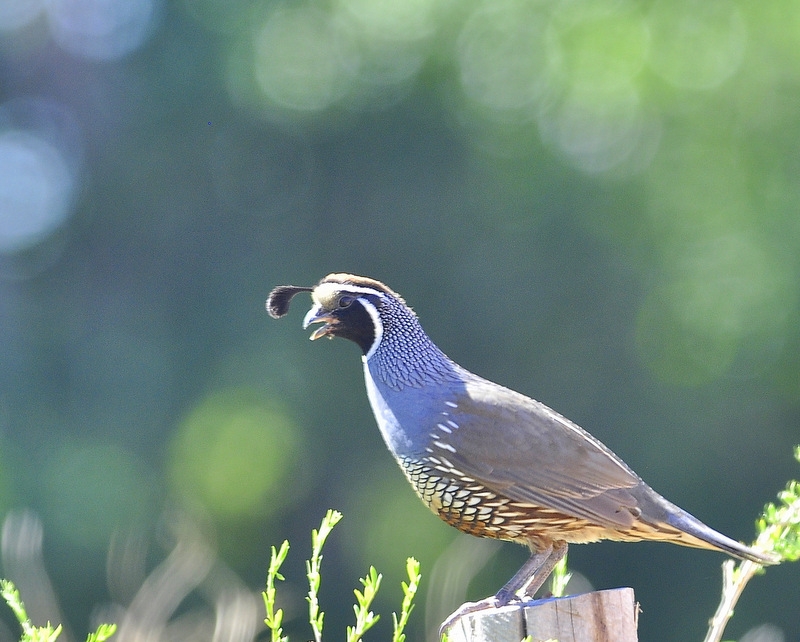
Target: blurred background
593	202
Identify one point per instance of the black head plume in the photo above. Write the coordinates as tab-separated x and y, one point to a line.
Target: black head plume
280	298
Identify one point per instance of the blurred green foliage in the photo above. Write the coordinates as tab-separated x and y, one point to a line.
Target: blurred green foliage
31	633
91	490
593	202
234	454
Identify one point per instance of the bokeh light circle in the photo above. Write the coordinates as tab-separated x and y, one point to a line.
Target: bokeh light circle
725	295
596	50
502	56
233	453
596	132
697	44
598	45
36	189
305	59
392	20
100	29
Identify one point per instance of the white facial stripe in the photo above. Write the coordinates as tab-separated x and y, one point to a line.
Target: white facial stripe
325	291
376	321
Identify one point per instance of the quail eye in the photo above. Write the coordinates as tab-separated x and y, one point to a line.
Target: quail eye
345	301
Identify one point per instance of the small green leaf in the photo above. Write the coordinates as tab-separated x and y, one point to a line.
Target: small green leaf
274	618
103	632
409	592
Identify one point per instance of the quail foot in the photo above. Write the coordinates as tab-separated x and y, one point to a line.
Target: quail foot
487	460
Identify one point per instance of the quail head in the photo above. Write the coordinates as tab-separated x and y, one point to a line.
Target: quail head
487	460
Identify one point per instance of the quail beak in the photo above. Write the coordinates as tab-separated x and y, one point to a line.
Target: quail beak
317	314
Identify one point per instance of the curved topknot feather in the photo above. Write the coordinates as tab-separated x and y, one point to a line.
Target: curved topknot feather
279	299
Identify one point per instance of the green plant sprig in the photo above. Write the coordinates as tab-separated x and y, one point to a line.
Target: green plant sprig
274	618
778	531
365	619
103	632
47	633
409	592
560	578
315	615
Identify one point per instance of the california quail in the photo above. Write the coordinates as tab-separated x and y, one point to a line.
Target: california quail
490	461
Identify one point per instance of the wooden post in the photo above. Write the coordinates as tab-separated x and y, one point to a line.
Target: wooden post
602	616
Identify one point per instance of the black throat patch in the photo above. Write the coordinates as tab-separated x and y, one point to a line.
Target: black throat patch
356	324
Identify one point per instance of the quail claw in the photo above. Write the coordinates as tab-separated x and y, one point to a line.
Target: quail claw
466	609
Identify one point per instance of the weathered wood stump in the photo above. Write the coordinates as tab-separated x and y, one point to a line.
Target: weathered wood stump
602	616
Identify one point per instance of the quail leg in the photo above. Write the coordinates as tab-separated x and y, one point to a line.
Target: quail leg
534	572
526	581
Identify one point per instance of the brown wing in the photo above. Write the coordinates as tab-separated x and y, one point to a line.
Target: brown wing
524	450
